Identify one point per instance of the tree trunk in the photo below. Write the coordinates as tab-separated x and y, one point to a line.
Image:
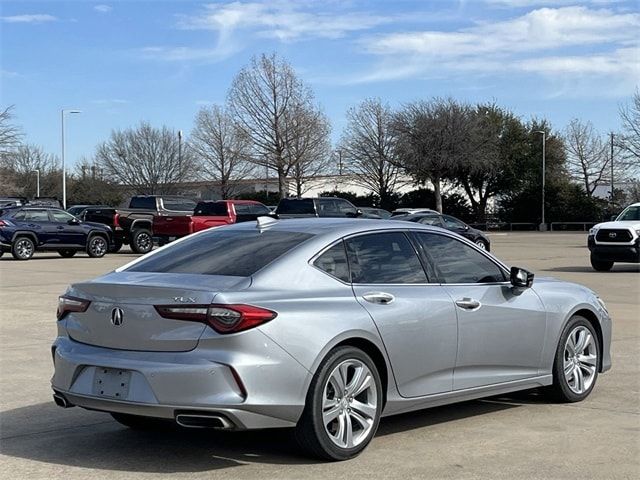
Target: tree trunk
438	195
282	183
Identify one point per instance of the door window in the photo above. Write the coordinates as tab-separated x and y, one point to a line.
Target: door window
453	223
61	217
456	262
334	262
36	216
384	258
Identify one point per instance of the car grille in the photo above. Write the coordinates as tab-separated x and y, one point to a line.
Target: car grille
614	235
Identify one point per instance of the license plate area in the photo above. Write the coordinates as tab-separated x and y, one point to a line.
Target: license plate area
111	382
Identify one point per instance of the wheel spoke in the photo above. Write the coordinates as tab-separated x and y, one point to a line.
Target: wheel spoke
348	431
571	345
338	382
590	360
330	414
577	373
364	422
568	368
364	409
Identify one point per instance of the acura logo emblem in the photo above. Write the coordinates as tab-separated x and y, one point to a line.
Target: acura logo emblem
116	316
613	235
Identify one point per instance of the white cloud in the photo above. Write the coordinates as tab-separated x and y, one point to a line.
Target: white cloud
284	21
571	42
36	18
103	8
541	3
178	54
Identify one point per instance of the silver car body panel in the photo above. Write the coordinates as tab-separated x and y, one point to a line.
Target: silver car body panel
433	352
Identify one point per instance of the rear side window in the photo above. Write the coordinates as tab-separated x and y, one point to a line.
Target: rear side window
238	253
457	262
214	209
303	206
334	262
384	258
19	215
242	209
178	204
147	203
257	209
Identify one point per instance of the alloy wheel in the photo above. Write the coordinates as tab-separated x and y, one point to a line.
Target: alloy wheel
580	360
143	241
98	246
481	244
24	248
349	404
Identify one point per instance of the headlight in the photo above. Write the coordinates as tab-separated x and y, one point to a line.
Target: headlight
593	231
602	304
638	231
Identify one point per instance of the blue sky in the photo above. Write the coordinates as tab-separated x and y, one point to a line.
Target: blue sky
123	62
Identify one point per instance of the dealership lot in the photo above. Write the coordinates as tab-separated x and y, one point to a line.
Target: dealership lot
521	436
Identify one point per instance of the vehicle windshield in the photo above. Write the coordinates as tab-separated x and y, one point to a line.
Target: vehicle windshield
629	214
238	253
211	208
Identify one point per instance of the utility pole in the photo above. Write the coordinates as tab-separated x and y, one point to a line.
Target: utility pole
612	191
179	146
543	225
37	182
64	166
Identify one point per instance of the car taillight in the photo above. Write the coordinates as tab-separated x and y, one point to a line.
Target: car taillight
116	220
4	223
71	304
222	318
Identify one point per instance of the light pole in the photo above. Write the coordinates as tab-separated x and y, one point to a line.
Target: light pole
64	168
543	225
179	146
37	182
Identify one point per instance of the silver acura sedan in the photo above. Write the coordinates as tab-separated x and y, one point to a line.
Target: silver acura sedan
324	325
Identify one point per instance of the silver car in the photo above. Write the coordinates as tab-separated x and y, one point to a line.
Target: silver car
324	325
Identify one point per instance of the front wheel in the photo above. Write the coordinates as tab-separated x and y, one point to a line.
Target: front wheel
575	368
482	244
601	265
66	253
141	241
97	246
343	406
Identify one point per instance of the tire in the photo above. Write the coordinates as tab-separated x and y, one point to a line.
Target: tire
601	265
117	245
324	440
1	253
23	248
138	422
482	244
97	246
66	253
581	368
141	241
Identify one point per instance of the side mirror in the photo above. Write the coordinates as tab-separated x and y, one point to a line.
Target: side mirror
73	221
521	278
358	213
613	217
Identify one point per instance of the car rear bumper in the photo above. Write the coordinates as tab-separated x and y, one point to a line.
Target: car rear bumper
257	392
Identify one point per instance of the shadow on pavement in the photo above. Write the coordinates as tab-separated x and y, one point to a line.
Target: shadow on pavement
38	433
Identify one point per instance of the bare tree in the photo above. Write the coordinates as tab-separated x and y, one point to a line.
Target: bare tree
432	140
588	161
221	148
20	167
264	99
368	148
630	115
145	158
10	134
308	148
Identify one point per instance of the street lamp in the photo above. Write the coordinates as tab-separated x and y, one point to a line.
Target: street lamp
37	182
543	225
64	170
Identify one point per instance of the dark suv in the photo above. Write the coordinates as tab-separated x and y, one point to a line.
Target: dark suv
24	230
318	207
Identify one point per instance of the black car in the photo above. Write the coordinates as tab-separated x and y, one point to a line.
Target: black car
450	223
319	207
25	230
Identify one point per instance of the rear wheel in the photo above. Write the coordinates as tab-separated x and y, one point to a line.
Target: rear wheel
601	265
575	368
97	246
1	253
137	422
343	406
66	253
23	248
141	241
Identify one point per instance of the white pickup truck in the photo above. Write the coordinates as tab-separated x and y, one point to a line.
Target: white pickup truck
616	241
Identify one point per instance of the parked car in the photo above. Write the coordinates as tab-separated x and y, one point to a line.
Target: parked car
6	202
616	241
225	212
45	202
108	216
162	217
451	223
317	207
324	325
76	210
376	212
25	230
409	211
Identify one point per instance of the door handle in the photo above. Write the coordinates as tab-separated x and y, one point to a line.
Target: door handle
468	303
378	297
60	227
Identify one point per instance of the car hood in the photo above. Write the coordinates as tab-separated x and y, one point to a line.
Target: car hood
634	224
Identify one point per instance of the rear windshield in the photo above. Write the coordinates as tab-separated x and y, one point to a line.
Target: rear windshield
238	253
218	209
147	203
295	206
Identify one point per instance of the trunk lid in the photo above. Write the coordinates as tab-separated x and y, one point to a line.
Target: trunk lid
135	295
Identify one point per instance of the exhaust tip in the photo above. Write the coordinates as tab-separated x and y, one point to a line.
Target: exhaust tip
61	401
198	420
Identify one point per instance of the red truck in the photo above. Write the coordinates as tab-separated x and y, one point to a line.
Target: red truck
224	212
